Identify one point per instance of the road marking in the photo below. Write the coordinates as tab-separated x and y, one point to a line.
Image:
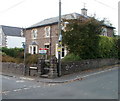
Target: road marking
19	89
20	81
16	90
82	77
26	88
26	78
98	73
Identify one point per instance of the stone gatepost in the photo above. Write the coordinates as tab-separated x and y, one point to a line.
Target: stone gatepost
53	67
41	63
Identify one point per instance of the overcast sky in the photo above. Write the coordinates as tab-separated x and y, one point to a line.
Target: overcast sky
24	13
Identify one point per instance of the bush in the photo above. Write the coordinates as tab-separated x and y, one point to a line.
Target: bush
14	55
82	37
6	58
13	52
71	57
32	59
107	47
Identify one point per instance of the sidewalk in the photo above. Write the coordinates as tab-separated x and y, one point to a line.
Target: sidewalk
78	76
67	78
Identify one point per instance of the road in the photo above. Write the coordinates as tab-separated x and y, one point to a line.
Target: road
102	85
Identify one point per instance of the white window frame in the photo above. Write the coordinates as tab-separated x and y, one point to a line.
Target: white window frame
47	31
31	47
34	33
65	51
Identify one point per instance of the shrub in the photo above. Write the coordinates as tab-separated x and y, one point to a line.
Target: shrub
6	58
32	59
82	37
107	47
13	52
71	57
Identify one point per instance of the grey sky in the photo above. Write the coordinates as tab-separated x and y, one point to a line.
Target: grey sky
24	13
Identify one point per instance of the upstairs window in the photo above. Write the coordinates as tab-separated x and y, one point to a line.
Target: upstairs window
47	31
34	34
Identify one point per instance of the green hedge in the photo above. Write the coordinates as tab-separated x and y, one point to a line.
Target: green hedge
13	52
71	57
107	47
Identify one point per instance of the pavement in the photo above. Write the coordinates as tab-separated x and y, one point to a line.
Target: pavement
66	78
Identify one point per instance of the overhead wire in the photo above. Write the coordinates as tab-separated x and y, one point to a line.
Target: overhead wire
104	4
13	6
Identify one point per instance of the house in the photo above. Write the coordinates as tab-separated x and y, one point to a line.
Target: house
45	34
11	37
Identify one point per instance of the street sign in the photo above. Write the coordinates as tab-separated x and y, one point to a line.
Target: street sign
43	51
59	49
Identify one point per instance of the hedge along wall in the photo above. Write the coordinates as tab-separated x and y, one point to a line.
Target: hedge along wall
107	47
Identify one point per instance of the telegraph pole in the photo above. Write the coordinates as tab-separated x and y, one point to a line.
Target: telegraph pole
24	46
59	41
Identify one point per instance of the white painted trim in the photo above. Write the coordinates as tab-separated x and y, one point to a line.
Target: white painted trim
31	49
56	52
36	49
33	33
45	29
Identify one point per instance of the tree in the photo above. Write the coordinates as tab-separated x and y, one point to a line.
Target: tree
82	37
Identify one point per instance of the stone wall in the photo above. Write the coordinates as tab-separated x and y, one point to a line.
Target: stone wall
72	67
17	69
67	67
12	68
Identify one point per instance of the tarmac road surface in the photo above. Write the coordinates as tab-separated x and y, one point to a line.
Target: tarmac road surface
98	85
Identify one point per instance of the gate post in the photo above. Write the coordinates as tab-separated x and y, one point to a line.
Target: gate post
53	67
41	63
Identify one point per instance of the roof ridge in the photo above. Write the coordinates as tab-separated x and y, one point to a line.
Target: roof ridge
10	26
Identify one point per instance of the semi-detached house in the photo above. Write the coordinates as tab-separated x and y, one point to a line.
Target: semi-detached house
45	34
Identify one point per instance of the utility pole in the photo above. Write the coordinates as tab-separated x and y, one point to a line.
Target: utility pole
24	46
59	41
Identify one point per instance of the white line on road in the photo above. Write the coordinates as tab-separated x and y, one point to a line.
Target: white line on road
96	73
26	78
18	81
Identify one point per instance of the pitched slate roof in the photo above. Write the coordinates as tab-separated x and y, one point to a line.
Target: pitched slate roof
55	20
11	31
